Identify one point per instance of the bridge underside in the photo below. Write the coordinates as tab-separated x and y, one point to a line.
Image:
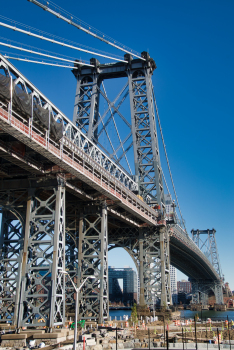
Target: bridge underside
185	259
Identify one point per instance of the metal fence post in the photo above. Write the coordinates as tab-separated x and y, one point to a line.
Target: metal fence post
195	331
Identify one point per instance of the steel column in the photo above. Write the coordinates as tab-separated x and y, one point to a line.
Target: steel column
11	246
71	256
218	290
85	114
165	268
152	267
57	314
145	141
43	284
93	260
141	272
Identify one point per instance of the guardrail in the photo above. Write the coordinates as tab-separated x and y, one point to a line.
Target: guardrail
70	157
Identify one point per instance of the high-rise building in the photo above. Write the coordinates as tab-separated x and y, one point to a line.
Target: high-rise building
129	293
173	278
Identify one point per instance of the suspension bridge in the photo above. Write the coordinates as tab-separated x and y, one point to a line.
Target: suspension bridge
67	197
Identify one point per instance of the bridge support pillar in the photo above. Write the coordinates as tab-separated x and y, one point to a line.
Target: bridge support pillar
200	292
154	265
92	260
218	290
86	108
11	246
165	268
71	255
141	272
43	281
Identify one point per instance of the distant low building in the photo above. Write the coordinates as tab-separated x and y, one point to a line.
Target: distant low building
184	286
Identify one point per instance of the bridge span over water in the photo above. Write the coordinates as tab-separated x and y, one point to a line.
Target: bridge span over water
64	203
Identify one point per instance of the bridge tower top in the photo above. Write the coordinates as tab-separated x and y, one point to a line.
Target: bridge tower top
206	242
141	124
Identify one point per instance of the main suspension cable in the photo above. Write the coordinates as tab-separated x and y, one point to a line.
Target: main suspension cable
87	31
29	28
10	41
164	146
38	62
56	42
45	55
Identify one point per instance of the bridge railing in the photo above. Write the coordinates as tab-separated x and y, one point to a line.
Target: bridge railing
70	131
71	157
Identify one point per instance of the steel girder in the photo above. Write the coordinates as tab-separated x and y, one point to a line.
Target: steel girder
42	301
92	260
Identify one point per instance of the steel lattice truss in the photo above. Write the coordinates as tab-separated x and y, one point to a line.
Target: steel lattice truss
11	244
145	140
70	131
43	286
93	248
71	255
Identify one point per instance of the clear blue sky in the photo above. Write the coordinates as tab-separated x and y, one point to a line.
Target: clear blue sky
192	44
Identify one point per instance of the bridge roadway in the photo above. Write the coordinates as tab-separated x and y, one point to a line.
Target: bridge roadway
87	181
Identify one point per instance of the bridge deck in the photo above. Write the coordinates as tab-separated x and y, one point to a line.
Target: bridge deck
75	161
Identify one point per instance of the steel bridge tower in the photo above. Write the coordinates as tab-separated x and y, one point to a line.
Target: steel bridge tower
148	247
206	242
